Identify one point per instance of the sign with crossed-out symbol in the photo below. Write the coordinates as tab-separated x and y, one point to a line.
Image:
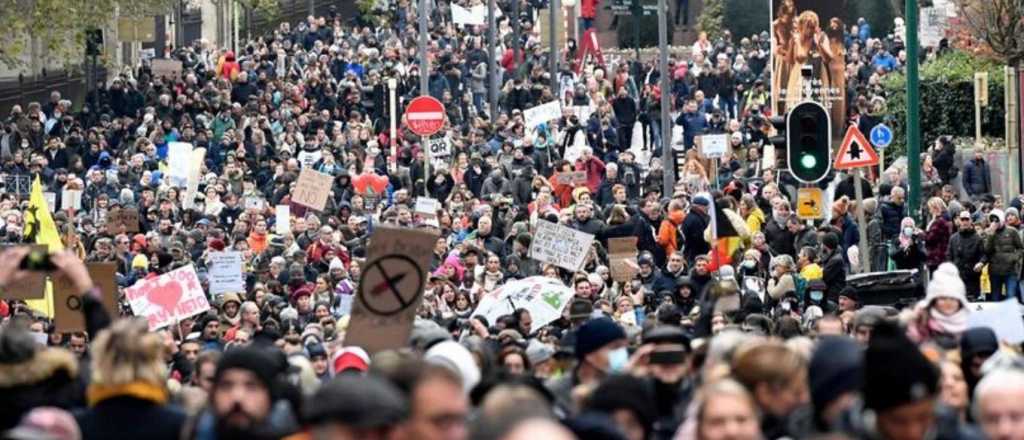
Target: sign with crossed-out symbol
390	285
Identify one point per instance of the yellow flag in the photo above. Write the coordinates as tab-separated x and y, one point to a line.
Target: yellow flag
40	229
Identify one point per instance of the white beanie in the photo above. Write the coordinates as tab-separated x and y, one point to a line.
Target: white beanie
999	214
454	356
946	283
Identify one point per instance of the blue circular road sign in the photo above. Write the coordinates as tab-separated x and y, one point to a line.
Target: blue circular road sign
881	136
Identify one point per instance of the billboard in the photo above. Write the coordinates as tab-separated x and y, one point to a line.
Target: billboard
808	57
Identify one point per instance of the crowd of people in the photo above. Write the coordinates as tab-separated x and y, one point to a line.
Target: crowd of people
736	322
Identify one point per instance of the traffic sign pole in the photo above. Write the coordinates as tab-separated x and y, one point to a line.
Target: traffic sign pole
862	226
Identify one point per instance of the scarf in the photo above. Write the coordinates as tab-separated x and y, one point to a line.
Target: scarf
954	324
139	390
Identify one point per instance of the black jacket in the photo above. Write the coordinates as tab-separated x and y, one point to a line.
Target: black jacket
966	249
112	418
834	274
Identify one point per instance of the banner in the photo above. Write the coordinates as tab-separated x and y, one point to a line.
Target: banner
1004	318
544	297
192	185
809	58
473	16
171	69
226	272
169	298
540	114
560	245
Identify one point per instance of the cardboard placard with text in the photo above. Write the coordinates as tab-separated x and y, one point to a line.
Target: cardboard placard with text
622	255
560	245
572	178
312	189
391	288
33	286
126	217
170	69
169	298
67	303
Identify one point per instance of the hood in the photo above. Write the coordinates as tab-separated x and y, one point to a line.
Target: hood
230	56
676	217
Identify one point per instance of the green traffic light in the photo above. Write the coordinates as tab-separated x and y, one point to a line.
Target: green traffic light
808	161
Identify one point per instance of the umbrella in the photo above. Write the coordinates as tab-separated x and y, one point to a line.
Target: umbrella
545	298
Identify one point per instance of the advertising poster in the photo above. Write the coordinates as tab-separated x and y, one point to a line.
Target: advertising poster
808	57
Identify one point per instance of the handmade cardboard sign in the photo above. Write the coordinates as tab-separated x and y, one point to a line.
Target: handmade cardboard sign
390	289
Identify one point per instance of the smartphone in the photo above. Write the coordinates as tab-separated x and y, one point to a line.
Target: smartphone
37	260
668	357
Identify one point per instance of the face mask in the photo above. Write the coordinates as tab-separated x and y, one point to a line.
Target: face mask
617	360
908	231
817	295
749	264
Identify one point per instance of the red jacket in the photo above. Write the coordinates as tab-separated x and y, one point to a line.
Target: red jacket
595	172
588	8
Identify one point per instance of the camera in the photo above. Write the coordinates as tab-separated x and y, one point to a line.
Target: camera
37	260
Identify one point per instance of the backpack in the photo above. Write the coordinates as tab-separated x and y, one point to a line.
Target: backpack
799	286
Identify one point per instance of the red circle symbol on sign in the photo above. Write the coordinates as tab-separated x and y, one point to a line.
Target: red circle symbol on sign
425	115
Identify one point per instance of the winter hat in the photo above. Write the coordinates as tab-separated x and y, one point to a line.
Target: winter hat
886	387
217	244
596	333
348	359
836	367
289	313
998	213
1012	211
252	359
946	283
625	392
538	353
362	402
425	333
454	356
336	264
140	262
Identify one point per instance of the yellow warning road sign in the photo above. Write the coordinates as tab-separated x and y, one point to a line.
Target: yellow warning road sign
809	203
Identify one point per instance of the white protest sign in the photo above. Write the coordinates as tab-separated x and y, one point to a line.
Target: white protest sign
169	298
440	150
198	155
427	206
1004	318
462	16
540	114
309	158
179	161
71	199
254	202
226	272
714	146
51	200
282	219
560	245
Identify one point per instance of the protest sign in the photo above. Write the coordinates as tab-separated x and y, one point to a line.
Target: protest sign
192	185
559	245
282	219
390	289
226	272
622	258
544	297
127	218
440	150
170	69
472	16
572	178
71	199
179	159
427	206
309	158
68	302
312	189
169	298
51	200
714	146
32	286
254	202
540	114
1004	318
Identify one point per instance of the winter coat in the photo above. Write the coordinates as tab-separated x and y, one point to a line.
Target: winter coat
976	178
966	249
834	274
693	235
936	240
1003	251
107	420
891	215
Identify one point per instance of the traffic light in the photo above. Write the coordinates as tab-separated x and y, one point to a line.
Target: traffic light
808	142
93	41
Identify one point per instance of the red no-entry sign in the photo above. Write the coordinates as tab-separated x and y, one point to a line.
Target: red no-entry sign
425	115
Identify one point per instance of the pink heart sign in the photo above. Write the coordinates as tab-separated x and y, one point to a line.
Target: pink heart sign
166	296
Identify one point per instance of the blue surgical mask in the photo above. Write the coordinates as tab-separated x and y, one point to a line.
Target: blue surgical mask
617	360
817	295
908	231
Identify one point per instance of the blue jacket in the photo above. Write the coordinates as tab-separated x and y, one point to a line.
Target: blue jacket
693	125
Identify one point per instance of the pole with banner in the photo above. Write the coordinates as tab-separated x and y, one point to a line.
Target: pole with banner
854	154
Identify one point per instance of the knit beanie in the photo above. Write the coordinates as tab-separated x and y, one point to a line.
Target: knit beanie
895	371
252	359
836	367
596	333
946	283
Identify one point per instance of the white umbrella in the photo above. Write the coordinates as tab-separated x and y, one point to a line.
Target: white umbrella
545	298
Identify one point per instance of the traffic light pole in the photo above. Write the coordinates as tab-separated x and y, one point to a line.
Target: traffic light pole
913	112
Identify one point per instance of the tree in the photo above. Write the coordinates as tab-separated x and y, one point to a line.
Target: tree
994	28
712	18
59	26
253	10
